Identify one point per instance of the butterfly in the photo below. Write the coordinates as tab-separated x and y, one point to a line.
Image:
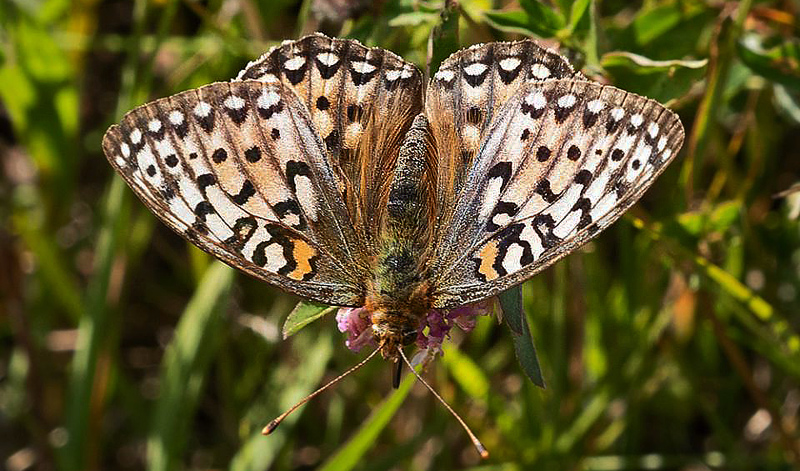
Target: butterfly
333	171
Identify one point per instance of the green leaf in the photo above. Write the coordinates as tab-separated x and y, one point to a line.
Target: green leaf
534	19
514	315
544	16
661	80
414	18
579	12
788	103
443	40
780	63
304	313
654	23
282	391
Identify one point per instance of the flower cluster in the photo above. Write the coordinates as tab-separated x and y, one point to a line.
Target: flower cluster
435	326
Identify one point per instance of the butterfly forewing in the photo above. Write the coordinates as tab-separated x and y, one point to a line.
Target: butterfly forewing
562	161
464	98
361	100
238	169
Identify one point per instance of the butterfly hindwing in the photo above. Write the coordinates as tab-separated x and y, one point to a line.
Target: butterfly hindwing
239	170
562	160
361	100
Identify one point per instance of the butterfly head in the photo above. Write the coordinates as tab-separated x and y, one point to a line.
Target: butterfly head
393	330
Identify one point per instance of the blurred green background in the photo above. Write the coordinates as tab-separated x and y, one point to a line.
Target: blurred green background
670	342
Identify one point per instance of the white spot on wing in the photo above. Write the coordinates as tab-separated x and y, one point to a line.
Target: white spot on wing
295	63
176	117
617	114
234	102
603	206
475	69
126	150
269	78
328	58
363	67
446	75
511	262
392	75
154	125
136	136
305	196
202	109
510	63
652	129
491	196
568	225
595	106
540	71
536	99
567	101
267	99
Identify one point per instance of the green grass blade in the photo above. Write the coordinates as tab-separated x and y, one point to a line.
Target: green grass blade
353	451
184	366
92	331
260	452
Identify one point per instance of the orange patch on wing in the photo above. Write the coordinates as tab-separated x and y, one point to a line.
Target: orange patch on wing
302	253
488	255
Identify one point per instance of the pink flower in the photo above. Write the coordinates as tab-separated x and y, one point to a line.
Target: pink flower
355	321
439	323
434	328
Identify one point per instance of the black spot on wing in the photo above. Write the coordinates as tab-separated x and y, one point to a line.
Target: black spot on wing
543	190
502	170
584	205
206	180
502	207
245	193
289	208
544	224
203	209
253	154
243	229
296	169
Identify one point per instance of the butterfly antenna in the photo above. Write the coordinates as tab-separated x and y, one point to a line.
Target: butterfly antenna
277	421
481	449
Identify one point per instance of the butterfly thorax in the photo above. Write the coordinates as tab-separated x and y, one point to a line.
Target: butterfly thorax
399	295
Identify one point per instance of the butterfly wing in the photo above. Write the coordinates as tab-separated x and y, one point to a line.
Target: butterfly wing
561	161
239	169
362	102
464	97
